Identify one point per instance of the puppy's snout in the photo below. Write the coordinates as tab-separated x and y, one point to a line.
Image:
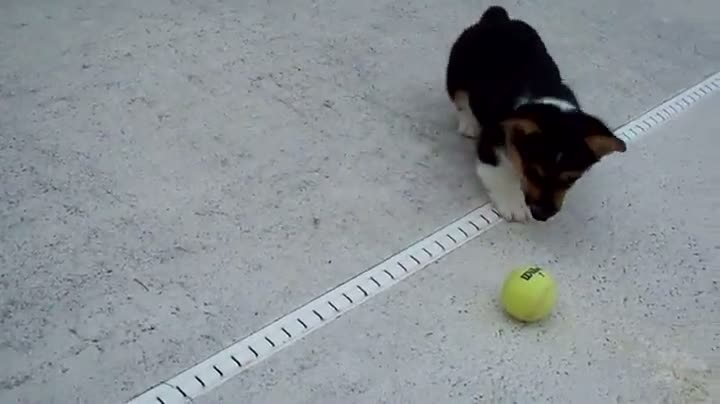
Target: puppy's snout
541	209
542	212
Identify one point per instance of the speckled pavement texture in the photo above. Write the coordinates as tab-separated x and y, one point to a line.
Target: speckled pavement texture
175	174
636	256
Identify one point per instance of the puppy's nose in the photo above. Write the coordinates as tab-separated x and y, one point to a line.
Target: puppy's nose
542	213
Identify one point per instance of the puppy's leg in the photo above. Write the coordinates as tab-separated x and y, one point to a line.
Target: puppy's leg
504	189
468	125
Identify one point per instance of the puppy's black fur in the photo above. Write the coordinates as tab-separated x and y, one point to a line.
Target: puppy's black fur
499	60
502	70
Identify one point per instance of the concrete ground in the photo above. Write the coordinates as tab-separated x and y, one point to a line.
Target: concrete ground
636	256
176	174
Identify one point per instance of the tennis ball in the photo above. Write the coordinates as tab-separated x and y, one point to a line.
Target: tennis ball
528	294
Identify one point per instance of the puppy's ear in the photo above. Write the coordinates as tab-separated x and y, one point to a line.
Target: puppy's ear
517	128
600	138
519	139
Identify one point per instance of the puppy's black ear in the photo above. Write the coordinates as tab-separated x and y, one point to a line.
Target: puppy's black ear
517	128
600	139
522	138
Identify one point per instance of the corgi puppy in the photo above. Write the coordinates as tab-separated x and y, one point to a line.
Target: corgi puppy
533	139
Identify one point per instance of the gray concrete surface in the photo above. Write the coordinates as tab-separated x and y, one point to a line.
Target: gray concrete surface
176	174
636	257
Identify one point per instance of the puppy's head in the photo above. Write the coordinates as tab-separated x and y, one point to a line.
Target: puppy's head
551	149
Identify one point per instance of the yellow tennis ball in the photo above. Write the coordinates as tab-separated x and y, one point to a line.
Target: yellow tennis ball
529	294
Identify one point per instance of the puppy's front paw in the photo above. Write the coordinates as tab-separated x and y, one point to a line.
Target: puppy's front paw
505	190
469	127
512	209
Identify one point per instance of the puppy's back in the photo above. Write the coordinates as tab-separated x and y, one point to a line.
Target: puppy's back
500	57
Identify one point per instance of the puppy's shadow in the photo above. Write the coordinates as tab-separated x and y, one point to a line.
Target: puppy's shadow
433	121
585	221
438	126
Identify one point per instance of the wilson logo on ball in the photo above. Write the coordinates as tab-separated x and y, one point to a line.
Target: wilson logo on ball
528	274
